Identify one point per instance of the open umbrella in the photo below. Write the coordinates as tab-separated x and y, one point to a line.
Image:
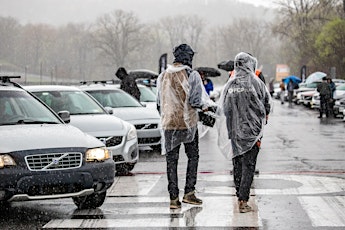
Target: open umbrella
316	76
142	73
226	65
208	71
293	78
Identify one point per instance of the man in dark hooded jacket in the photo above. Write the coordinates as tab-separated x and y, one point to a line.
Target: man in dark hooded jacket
128	83
325	95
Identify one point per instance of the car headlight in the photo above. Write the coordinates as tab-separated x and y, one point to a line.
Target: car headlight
6	160
97	154
132	133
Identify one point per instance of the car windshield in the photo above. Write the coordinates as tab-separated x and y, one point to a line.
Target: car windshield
76	102
114	98
147	95
18	107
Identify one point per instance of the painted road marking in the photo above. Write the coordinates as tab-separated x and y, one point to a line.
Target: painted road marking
139	209
325	211
221	211
133	185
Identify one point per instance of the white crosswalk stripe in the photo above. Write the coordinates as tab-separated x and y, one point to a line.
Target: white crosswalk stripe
121	212
325	211
130	203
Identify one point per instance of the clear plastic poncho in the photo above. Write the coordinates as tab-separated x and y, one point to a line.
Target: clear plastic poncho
243	106
180	94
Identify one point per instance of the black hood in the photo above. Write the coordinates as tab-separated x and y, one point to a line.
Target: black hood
183	54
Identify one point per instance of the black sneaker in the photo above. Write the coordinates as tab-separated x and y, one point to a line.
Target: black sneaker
190	198
175	203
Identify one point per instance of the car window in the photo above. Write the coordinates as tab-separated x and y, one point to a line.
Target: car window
18	107
75	102
146	95
114	98
341	87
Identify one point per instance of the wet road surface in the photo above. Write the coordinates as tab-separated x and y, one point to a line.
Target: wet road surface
300	185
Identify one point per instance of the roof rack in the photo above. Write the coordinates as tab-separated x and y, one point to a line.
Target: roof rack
5	80
112	81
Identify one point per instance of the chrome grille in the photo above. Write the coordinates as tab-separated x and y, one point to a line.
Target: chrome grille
54	161
111	141
146	126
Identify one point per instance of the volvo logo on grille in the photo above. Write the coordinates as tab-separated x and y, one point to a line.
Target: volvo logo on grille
103	139
146	126
55	161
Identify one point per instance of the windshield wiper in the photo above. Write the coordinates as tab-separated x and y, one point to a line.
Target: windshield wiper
29	121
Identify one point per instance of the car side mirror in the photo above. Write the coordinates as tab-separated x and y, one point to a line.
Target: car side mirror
65	116
109	110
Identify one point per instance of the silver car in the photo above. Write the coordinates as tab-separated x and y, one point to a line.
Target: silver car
126	107
87	114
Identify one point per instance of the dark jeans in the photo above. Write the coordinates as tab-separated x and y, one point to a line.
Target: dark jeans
244	169
325	107
290	97
192	152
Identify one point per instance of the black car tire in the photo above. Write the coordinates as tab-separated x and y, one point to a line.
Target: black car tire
92	201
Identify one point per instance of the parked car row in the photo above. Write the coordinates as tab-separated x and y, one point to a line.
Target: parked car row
308	96
43	157
88	115
69	141
145	119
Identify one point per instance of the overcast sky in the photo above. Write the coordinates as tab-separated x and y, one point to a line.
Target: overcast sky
63	11
266	3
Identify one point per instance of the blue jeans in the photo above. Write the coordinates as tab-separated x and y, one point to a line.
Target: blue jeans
244	169
192	152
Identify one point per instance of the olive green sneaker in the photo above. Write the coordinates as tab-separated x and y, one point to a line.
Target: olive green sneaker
190	198
244	207
175	203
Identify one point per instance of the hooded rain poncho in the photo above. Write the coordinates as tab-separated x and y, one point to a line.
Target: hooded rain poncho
243	106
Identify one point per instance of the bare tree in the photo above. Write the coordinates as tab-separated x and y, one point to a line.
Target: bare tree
244	34
299	24
118	35
183	29
9	34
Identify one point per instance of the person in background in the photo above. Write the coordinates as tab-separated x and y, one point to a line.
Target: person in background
290	88
208	84
128	83
325	95
246	103
282	92
333	88
271	87
179	95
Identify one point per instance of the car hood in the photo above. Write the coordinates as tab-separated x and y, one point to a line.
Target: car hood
308	93
136	113
29	137
99	125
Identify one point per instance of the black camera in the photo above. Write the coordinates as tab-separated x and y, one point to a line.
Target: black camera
207	118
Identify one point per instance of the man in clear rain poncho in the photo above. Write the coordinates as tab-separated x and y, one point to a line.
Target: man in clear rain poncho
179	97
243	109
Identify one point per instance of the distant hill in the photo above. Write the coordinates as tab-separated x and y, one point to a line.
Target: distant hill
59	12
